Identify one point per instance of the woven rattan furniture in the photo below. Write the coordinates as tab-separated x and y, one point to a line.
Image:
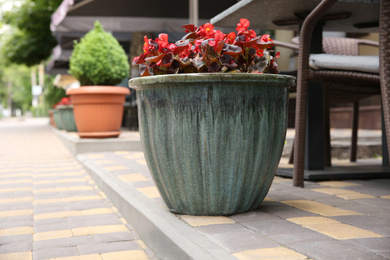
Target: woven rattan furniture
337	92
355	84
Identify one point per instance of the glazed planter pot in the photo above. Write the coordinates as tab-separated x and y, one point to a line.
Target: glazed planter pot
67	117
98	110
57	119
212	142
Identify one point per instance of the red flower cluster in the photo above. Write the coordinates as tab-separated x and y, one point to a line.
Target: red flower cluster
205	49
64	101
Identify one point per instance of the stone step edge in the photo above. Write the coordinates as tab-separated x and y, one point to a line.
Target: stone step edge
166	235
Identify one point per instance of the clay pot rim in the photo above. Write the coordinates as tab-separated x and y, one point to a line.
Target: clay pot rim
98	90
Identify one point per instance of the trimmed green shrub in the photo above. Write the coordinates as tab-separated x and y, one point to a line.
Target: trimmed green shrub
98	59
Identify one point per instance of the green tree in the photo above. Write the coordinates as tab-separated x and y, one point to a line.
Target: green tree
31	41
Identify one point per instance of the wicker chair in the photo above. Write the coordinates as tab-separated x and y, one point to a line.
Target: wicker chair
334	92
355	84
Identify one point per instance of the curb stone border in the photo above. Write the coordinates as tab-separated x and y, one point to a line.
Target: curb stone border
161	230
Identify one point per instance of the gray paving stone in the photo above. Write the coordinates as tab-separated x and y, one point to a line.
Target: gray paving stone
4	240
19	246
240	241
221	228
306	235
274	227
113	237
258	215
325	250
372	223
47	253
16	223
66	242
285	211
100	248
371	244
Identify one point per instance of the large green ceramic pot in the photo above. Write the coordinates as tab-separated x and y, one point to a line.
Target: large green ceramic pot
57	119
212	142
67	117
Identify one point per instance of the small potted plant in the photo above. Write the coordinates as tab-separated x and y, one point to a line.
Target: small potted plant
212	140
65	110
99	63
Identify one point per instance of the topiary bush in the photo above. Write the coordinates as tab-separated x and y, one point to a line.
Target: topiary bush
98	59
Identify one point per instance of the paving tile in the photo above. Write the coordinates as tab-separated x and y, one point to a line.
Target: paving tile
133	177
269	253
333	228
150	192
62	242
332	250
343	193
16	231
221	228
15	239
53	235
205	220
13	213
21	246
17	256
274	227
84	231
230	243
113	237
80	257
337	184
319	208
100	248
48	253
130	255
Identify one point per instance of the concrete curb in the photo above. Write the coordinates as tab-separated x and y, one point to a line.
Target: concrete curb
77	145
161	230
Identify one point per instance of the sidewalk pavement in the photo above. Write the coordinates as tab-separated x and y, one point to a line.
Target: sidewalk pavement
325	220
50	207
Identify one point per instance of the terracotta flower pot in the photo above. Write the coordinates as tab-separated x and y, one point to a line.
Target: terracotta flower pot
98	110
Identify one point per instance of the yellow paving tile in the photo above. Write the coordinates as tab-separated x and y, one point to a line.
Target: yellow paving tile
79	257
86	231
73	173
67	199
60	181
97	211
196	221
16	189
5	176
337	184
133	177
150	192
141	243
53	169
125	255
17	199
72	188
12	213
116	168
278	179
17	256
270	253
386	197
52	235
104	161
333	228
343	193
319	208
16	181
134	156
17	231
143	162
122	152
95	156
16	170
61	214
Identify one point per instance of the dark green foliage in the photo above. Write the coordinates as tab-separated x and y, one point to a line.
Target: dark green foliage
32	42
98	59
53	95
